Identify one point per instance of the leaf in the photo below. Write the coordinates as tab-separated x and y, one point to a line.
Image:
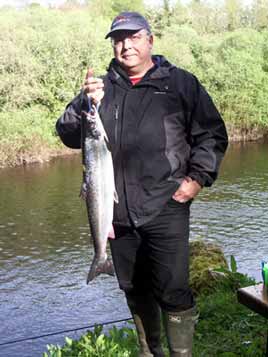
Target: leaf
233	264
100	341
69	341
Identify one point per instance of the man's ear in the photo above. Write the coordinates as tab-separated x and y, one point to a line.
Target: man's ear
151	41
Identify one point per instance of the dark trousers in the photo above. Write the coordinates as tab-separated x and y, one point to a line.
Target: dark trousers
154	259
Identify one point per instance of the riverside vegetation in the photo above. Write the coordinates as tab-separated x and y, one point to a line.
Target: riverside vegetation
44	55
225	327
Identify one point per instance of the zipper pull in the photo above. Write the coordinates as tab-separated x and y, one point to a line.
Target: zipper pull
116	111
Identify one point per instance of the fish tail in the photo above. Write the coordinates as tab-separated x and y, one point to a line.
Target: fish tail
100	267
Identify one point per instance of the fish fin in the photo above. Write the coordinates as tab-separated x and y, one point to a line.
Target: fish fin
100	267
116	199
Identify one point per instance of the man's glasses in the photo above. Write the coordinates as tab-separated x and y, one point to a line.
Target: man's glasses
134	38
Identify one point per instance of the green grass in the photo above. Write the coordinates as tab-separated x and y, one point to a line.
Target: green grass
227	328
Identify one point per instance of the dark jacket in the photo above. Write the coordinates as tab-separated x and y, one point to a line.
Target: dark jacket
160	130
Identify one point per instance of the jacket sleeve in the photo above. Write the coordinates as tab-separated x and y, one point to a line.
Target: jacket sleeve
207	135
68	125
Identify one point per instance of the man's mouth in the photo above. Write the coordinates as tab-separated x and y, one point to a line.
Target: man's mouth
127	56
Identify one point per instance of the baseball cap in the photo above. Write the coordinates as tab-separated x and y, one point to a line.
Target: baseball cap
128	21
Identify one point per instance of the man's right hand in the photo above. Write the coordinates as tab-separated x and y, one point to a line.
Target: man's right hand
93	87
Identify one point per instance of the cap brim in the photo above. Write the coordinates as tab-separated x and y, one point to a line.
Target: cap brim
122	27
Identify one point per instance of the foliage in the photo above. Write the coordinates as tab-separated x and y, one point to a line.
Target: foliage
232	70
24	129
118	342
111	8
44	55
127	5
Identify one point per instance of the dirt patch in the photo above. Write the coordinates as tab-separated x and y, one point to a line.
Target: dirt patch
36	153
252	133
24	152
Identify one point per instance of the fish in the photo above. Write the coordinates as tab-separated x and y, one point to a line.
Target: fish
98	185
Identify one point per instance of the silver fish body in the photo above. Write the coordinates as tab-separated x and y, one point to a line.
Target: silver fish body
98	188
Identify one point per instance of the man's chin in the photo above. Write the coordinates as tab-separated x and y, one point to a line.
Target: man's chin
128	65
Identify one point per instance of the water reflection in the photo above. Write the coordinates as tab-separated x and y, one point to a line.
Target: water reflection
44	245
236	207
45	256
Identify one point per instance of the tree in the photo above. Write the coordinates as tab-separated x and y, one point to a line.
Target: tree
233	9
127	5
260	14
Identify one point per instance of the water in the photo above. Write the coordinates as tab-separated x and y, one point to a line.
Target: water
233	212
44	259
45	250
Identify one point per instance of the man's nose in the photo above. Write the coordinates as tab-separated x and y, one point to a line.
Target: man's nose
127	43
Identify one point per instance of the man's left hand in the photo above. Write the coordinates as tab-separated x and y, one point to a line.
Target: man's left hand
187	190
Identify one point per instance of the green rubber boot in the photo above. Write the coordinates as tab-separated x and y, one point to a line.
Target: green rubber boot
144	348
179	328
147	318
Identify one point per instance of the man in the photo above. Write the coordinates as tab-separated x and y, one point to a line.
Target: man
167	140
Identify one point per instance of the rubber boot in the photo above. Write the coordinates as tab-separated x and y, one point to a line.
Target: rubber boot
147	318
179	328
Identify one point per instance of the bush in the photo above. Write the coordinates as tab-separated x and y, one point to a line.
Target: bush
44	55
26	135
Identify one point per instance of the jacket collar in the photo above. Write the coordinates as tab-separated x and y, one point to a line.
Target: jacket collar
159	71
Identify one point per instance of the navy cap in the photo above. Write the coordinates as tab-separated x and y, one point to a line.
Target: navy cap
128	21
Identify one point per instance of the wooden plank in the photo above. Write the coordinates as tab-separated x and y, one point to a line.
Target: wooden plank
255	297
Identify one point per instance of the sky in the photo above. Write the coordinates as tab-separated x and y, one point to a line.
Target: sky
21	3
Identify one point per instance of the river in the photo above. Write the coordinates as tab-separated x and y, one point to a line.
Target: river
45	250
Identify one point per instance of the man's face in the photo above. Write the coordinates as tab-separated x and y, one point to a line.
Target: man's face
132	49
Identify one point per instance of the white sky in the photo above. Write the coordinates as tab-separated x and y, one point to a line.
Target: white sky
21	3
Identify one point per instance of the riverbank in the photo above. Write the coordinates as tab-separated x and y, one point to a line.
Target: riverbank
225	327
33	148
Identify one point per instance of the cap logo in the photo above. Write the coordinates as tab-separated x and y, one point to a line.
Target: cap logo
120	19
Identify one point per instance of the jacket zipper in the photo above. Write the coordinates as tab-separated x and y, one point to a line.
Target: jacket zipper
116	116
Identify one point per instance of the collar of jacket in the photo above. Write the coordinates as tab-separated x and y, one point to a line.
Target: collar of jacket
159	71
